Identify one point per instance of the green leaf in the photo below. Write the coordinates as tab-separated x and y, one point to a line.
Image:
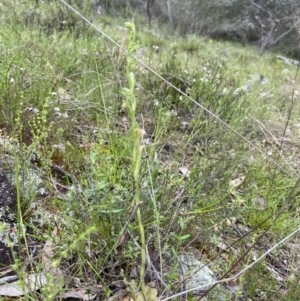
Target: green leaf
184	237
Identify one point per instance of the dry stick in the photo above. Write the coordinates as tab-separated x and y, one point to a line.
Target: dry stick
179	91
174	215
158	275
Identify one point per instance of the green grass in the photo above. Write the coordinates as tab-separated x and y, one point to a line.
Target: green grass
61	98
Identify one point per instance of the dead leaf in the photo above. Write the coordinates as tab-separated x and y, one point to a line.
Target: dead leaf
8	279
129	298
150	294
31	283
225	256
120	240
185	171
55	273
123	124
232	285
47	254
118	295
78	294
64	94
222	246
260	203
236	182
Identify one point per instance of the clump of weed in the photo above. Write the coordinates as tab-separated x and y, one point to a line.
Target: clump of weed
265	193
151	40
190	44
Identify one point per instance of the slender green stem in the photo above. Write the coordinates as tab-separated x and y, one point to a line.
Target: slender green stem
137	133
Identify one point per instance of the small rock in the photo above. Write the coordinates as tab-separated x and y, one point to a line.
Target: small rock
8	208
196	273
200	278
